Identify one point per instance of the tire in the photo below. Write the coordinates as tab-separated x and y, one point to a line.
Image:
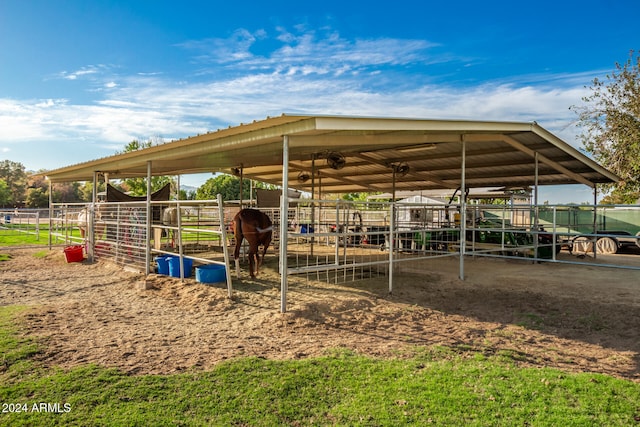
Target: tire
582	244
606	245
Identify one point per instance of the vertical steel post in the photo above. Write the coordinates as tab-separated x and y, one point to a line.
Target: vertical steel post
338	233
91	219
241	179
555	216
225	246
312	225
180	247
284	210
536	212
463	206
392	228
50	213
147	266
595	220
392	243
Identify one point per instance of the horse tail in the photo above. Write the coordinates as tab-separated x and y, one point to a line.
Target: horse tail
237	226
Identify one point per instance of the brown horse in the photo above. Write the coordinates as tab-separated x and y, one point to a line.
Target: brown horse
256	227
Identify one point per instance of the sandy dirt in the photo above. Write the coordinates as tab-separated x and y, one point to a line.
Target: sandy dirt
576	318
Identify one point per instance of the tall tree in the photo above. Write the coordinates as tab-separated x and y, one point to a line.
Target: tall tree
37	192
67	192
610	122
5	194
229	187
14	175
86	189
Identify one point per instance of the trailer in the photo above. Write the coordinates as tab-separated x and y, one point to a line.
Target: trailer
606	241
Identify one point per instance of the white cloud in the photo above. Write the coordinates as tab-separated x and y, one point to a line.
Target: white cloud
309	73
74	75
310	51
142	107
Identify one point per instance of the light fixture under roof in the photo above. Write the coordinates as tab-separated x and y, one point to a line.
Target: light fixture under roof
415	148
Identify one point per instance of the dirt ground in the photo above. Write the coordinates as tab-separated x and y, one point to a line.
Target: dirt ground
576	318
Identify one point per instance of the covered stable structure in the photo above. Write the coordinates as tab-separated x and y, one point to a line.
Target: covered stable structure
338	154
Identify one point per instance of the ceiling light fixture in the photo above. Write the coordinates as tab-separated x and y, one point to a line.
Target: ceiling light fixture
425	147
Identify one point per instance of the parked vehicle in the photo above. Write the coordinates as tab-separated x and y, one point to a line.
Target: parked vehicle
607	241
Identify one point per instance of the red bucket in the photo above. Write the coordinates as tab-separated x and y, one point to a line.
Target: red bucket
73	253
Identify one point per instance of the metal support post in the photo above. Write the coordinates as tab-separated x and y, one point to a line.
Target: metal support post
463	207
284	209
147	264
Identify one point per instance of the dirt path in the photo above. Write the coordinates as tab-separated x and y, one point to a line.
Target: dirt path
573	318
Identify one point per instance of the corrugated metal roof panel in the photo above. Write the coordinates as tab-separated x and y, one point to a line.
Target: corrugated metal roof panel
496	154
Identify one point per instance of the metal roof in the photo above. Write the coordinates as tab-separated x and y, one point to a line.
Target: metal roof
496	154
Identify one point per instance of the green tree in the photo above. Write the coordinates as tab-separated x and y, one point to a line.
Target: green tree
229	187
187	195
37	192
86	189
138	186
226	185
15	177
5	194
356	197
67	192
610	121
617	198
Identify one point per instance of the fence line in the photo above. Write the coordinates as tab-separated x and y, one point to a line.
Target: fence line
20	221
340	241
333	236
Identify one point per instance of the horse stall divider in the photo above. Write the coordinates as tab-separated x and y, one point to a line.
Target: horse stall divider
345	241
65	226
359	240
193	230
180	246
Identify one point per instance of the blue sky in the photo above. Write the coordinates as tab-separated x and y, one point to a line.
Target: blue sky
81	79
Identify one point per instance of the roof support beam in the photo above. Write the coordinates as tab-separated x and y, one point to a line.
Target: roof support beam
515	144
370	140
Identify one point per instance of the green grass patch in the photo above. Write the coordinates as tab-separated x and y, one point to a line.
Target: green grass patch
16	238
5	257
531	321
41	254
17	235
14	349
437	386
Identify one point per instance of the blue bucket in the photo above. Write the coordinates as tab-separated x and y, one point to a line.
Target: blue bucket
174	266
211	273
305	229
162	262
